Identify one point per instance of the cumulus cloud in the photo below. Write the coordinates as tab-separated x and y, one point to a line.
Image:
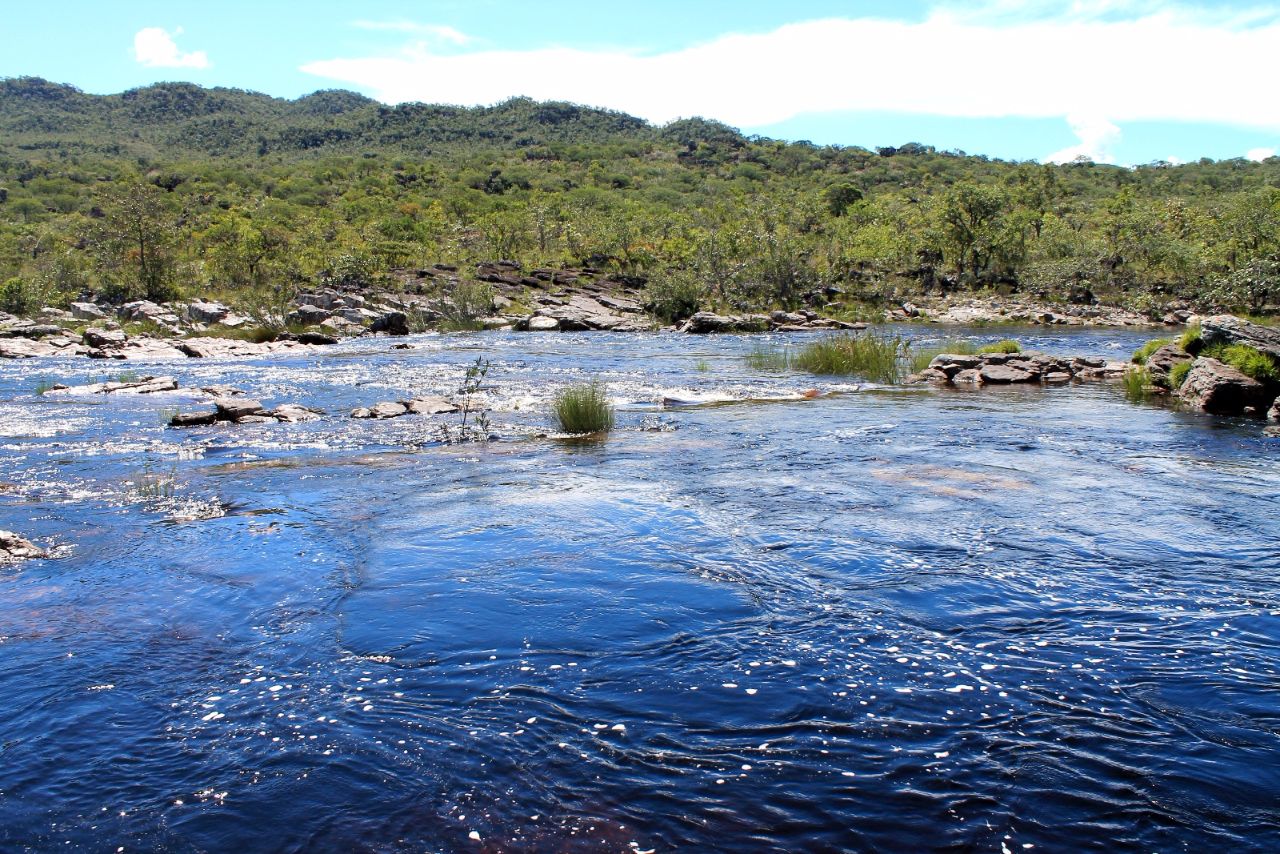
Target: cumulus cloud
1096	135
1258	155
155	47
1099	63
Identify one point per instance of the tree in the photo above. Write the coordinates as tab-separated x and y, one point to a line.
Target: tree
135	234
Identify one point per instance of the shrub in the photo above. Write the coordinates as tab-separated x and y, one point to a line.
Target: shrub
920	357
866	355
1008	345
583	408
1248	361
1178	375
469	302
1144	352
21	297
674	295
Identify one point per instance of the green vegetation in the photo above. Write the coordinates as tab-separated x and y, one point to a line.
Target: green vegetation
1141	355
921	356
1137	384
772	359
869	356
702	366
1008	345
583	408
1178	375
1192	340
43	387
174	190
1245	359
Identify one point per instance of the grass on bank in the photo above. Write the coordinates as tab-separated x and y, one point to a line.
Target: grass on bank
1178	375
583	408
1144	352
1246	360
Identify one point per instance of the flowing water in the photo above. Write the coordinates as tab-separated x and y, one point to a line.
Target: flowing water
1019	619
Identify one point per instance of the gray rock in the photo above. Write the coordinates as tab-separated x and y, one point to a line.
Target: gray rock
1006	374
193	419
392	323
31	330
429	406
256	419
1214	387
542	324
1227	329
207	312
235	408
1162	361
105	339
969	376
362	412
318	339
293	413
87	311
309	315
1273	414
14	548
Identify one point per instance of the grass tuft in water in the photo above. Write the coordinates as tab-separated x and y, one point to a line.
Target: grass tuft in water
1144	352
1178	375
768	359
702	366
869	356
583	408
44	387
1008	345
1137	385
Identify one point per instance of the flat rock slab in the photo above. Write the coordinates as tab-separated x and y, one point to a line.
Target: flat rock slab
1005	375
429	406
292	413
235	408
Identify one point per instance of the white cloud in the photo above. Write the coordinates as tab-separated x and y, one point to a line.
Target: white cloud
1257	155
436	32
1159	63
154	47
1096	135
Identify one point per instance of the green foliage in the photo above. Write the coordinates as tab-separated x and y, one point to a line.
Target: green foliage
19	297
1178	375
1141	355
772	359
1191	340
472	382
1137	384
583	408
1008	345
920	356
674	295
467	304
702	366
869	356
1247	360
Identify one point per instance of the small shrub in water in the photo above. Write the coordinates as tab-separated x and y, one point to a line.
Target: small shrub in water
1178	375
1144	352
768	359
1008	345
583	408
1137	384
865	355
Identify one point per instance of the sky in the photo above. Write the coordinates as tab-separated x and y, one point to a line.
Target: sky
1114	81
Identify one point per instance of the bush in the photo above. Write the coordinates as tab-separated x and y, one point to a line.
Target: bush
920	357
1144	352
1008	345
866	355
19	297
674	295
1248	361
469	302
583	408
1178	375
1192	341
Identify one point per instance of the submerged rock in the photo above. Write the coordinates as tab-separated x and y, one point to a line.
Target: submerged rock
193	419
429	406
1217	388
14	548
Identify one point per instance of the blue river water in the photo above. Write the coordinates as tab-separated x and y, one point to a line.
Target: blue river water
1014	619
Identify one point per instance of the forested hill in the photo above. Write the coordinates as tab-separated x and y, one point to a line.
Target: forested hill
235	191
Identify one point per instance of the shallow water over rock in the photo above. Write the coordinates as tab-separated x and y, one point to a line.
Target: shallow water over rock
1010	619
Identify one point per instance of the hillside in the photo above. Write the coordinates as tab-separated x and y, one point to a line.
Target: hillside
238	191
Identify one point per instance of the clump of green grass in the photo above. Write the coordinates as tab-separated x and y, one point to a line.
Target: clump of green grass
1144	352
869	356
583	408
1192	339
1008	345
1246	360
1137	385
921	356
702	366
768	359
44	387
1178	375
128	377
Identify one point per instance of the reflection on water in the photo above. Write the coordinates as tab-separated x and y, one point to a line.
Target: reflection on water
1004	620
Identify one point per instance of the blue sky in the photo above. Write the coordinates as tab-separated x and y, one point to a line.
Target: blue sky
1126	81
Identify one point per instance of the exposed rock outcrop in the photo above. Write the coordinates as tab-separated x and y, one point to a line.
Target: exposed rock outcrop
14	548
1162	361
1228	329
1217	388
1012	368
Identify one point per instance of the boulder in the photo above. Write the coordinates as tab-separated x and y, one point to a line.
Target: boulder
386	409
193	419
1273	414
14	548
315	338
105	339
1005	374
256	419
542	324
953	363
708	322
235	408
1162	361
202	311
87	311
309	315
31	330
392	323
292	413
1214	387
1227	329
429	406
